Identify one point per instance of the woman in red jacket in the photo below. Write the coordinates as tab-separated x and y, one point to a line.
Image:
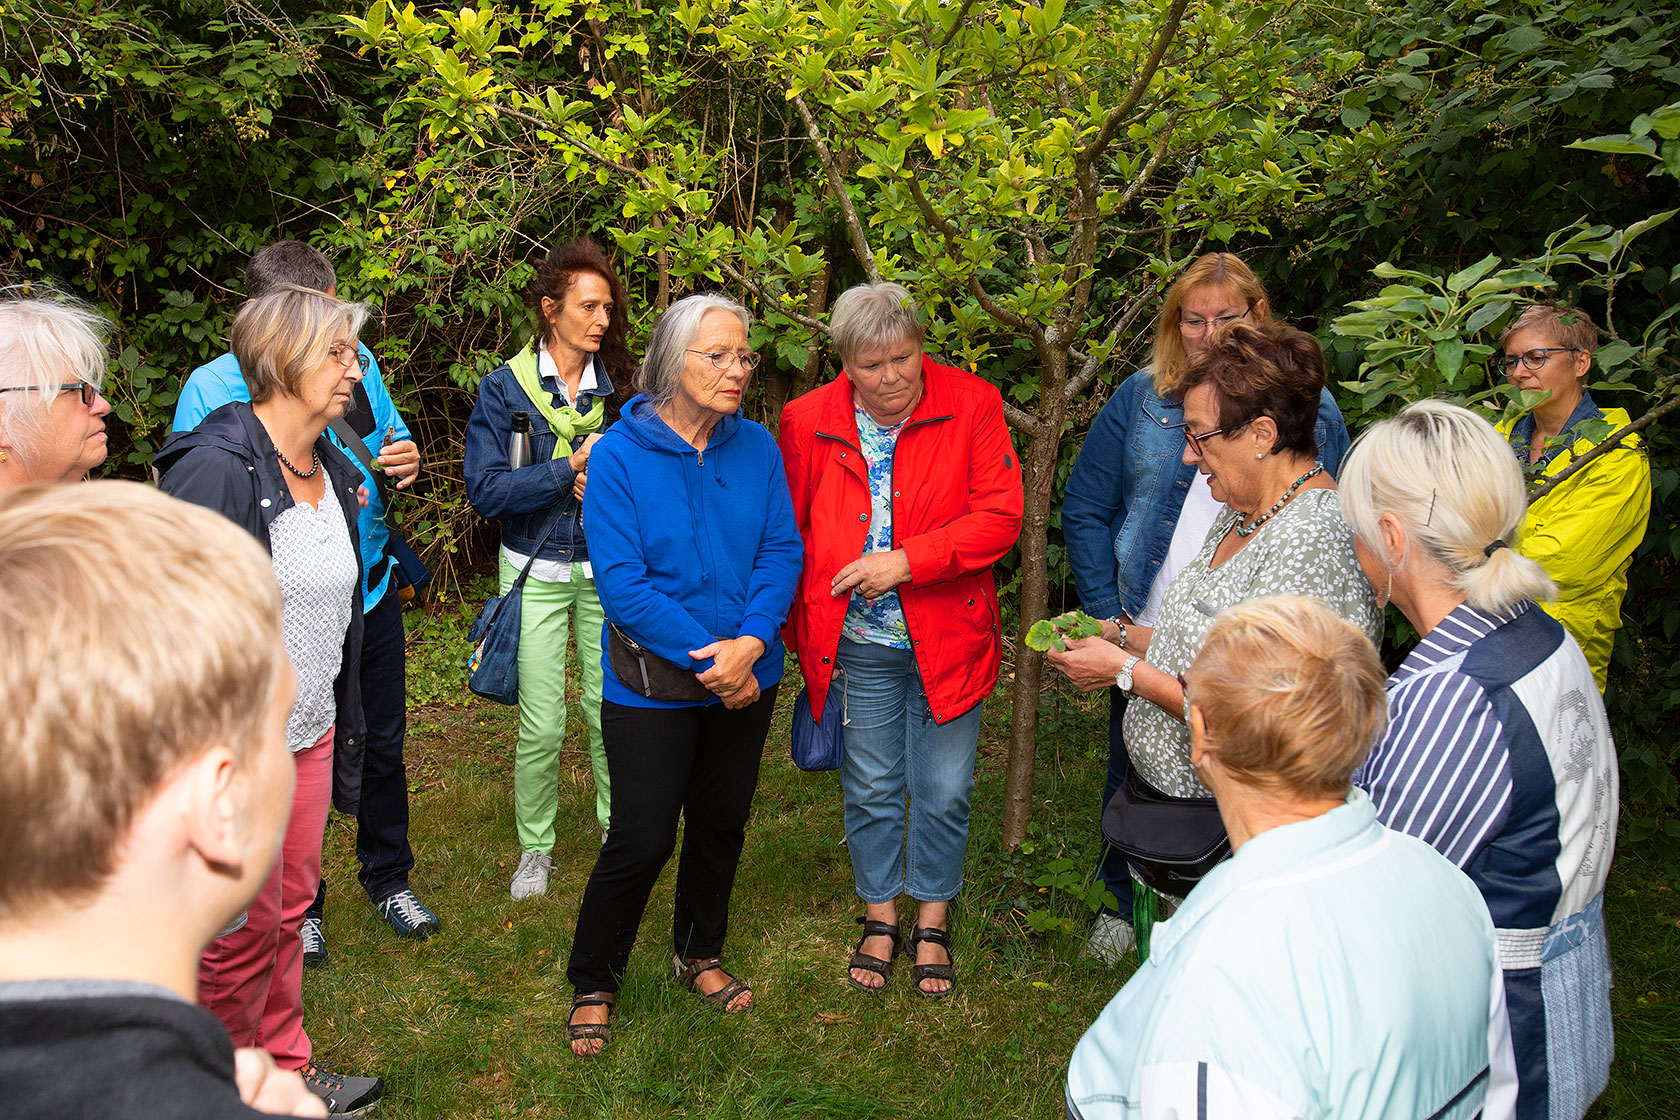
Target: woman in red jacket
907	490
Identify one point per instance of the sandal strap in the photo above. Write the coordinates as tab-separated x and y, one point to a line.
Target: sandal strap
938	936
872	928
578	1032
593	999
867	963
726	994
920	972
689	972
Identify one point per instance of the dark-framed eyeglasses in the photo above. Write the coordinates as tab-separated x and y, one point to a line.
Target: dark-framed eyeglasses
1194	439
88	390
1197	325
722	360
1531	359
341	352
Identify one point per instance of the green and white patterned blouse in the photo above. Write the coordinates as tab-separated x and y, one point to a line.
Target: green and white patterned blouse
1305	549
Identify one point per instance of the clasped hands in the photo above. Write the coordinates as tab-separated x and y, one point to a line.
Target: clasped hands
731	676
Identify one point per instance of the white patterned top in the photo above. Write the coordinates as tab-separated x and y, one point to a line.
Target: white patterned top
1305	549
315	565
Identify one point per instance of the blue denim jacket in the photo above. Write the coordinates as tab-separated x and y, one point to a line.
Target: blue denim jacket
1125	493
524	500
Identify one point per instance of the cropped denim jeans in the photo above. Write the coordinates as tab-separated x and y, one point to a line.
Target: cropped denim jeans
893	749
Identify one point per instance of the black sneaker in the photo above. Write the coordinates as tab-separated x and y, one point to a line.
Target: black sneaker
345	1095
314	943
408	916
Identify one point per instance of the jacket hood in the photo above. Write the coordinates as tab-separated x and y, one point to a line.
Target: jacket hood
641	423
223	429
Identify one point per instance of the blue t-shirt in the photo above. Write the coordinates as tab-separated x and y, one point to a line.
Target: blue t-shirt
218	382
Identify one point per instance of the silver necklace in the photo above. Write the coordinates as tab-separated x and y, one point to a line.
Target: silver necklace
1318	468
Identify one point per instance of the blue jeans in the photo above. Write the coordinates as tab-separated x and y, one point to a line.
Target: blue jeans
894	748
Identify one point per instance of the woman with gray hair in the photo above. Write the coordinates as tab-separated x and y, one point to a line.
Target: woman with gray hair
268	467
695	556
907	491
1497	751
52	363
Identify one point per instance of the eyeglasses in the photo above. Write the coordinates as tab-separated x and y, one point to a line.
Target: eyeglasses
1531	359
1197	325
721	360
88	390
342	352
1195	440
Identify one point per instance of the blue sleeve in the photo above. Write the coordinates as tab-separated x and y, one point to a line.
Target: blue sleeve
206	389
1331	432
495	490
385	414
628	596
1094	506
781	554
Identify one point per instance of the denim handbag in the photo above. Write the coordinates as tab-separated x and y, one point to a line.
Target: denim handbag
820	746
493	669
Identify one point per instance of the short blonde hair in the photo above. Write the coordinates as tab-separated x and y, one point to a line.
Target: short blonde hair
1292	694
47	339
1227	273
877	314
1456	486
140	631
282	337
1566	325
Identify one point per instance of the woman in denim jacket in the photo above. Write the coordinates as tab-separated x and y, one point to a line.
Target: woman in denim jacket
569	382
1134	513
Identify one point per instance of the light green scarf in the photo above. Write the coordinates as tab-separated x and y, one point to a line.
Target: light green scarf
566	422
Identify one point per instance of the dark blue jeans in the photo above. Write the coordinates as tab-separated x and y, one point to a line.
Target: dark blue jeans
1112	870
382	846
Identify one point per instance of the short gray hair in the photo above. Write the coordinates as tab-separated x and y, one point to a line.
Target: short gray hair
877	314
282	337
1453	482
666	355
47	339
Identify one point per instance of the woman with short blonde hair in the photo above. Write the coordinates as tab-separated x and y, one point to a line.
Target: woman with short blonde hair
1497	751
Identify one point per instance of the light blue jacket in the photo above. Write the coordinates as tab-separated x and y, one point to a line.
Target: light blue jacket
1330	968
1123	498
218	382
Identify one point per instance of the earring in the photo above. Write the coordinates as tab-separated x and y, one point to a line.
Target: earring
3	455
1388	593
1259	454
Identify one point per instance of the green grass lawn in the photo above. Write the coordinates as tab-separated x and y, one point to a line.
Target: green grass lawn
471	1022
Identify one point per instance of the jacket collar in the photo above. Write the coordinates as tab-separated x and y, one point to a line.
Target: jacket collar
1522	432
1462	628
839	417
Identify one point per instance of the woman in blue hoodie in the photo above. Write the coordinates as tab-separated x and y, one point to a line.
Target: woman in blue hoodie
696	555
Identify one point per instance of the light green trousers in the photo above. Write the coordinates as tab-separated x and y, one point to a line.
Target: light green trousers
542	700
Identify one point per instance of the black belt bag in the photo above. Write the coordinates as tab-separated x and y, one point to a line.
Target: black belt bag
1170	842
647	674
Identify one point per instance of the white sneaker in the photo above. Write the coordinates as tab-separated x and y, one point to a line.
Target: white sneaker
532	877
1111	940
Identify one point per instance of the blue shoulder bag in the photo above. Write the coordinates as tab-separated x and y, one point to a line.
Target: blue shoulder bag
821	746
493	669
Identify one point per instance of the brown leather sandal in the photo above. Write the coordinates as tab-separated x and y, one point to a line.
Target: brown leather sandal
579	1032
687	973
866	963
921	972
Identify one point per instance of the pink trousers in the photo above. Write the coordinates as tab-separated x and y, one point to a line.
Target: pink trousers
252	979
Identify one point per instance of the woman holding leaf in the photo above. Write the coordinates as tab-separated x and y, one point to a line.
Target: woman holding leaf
564	389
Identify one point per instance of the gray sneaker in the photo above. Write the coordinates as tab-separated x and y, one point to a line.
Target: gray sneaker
1111	940
532	877
345	1095
314	943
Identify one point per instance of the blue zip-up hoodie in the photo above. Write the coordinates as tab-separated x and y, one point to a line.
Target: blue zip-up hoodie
691	546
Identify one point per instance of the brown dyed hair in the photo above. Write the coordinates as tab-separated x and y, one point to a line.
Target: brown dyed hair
140	632
1225	271
1567	325
1270	370
1291	693
554	279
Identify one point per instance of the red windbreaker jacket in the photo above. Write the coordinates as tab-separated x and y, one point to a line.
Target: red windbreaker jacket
956	511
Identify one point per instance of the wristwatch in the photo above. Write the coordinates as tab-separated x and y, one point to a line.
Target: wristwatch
1123	679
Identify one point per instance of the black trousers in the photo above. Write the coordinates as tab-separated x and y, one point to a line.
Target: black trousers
382	846
697	763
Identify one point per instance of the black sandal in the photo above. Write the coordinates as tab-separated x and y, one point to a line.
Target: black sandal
921	972
866	963
687	973
578	1032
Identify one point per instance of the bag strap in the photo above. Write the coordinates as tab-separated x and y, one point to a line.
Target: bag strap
342	429
553	523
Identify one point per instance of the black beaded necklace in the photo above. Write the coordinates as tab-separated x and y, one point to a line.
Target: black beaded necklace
287	463
1318	468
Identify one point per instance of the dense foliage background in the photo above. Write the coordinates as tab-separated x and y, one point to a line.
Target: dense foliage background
1005	160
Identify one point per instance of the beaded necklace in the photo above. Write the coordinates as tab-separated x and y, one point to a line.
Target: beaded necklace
287	463
1318	468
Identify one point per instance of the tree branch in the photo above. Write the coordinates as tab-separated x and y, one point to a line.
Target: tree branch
837	185
1117	115
1609	442
992	307
1020	420
1081	381
770	298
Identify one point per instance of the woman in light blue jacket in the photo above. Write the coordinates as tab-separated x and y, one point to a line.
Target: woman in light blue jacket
1134	512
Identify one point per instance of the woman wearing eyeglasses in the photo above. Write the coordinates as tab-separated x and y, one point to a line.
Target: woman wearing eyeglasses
268	466
695	555
52	416
907	491
1135	512
1250	405
568	384
1584	532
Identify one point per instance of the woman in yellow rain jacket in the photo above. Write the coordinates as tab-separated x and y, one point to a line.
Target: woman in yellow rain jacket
1584	532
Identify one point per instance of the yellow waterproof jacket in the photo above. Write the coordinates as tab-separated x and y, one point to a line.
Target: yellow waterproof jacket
1584	532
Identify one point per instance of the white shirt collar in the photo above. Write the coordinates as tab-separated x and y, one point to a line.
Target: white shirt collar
548	371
